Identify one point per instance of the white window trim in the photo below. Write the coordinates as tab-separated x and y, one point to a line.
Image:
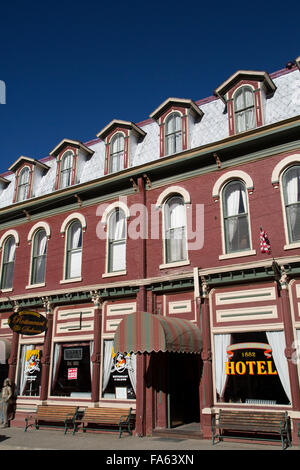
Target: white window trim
105	220
69	219
186	200
65	226
15	235
172	111
118	133
236	254
37	226
32	233
245	85
276	180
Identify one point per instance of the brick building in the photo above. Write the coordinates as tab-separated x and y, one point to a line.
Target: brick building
142	250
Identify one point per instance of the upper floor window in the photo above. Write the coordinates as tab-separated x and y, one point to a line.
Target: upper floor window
175	229
116	241
73	250
23	184
116	156
291	191
235	213
173	134
8	263
244	109
66	168
39	251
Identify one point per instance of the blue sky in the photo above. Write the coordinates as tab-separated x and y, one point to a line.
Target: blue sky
72	67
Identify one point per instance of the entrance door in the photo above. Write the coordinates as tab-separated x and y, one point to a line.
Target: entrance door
183	371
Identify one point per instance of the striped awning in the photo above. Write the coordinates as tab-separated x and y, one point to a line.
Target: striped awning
145	332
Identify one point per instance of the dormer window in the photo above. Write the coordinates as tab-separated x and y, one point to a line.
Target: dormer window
23	184
70	155
176	118
116	154
28	174
66	168
173	133
121	139
244	95
244	109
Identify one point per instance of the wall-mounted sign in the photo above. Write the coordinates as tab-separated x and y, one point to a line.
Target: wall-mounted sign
249	364
28	323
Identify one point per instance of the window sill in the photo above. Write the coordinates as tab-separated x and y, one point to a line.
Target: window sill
7	290
290	246
238	254
116	273
175	264
66	281
35	286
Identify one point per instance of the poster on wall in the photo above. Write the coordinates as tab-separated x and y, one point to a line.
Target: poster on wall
32	371
119	374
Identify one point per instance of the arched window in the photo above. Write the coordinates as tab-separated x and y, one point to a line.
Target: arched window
175	229
291	192
74	250
173	134
23	184
66	167
116	241
39	250
235	212
244	109
116	154
8	263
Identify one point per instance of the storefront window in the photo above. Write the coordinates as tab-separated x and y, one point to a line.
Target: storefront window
119	374
251	368
72	370
30	369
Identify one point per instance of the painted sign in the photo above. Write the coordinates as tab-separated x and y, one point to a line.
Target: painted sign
250	366
28	323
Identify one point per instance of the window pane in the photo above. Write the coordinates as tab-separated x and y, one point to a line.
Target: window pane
173	136
66	169
71	373
244	110
74	250
175	230
117	242
116	159
236	217
8	263
30	369
23	185
39	257
119	374
291	180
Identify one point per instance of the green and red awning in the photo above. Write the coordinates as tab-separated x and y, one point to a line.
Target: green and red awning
145	332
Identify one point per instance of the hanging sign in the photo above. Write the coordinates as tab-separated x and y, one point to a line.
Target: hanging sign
28	323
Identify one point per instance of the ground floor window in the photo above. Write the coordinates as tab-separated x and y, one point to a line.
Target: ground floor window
72	369
119	374
252	368
30	370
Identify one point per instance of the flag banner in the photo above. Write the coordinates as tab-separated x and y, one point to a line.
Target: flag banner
265	246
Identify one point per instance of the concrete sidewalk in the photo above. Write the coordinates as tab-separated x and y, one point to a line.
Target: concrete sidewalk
54	439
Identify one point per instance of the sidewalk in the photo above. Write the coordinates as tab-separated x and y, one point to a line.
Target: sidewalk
54	439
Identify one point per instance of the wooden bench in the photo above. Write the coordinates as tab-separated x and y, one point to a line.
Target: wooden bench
119	419
52	415
251	425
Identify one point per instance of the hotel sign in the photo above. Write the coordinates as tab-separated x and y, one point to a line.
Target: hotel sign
249	365
28	323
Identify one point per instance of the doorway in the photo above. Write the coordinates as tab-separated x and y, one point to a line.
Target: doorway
183	378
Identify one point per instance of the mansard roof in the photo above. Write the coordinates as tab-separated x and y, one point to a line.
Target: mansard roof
32	161
263	77
181	102
123	124
73	143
